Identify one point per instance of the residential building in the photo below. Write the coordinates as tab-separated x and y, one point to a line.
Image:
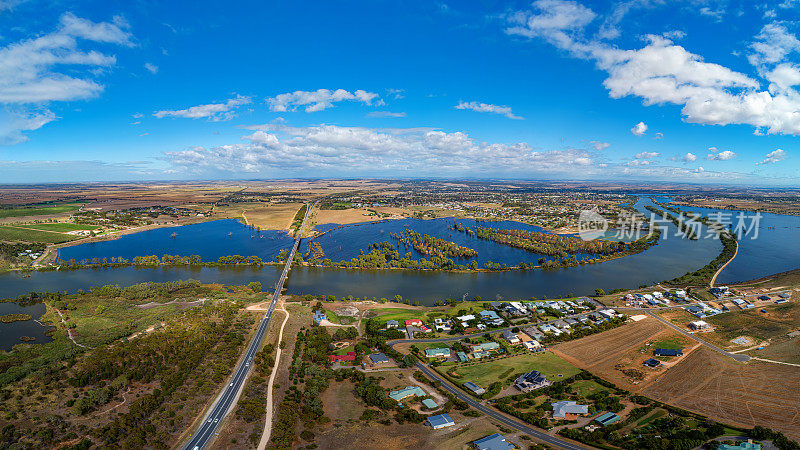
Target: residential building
442	324
530	381
485	347
413	323
748	445
533	346
474	388
409	391
465	318
437	352
569	410
606	419
699	325
391	324
511	337
652	363
378	358
440	421
493	442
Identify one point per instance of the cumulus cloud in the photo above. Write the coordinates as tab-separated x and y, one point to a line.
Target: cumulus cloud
52	68
689	157
597	145
152	68
639	129
647	155
330	148
774	157
319	100
213	111
488	108
664	73
386	114
724	155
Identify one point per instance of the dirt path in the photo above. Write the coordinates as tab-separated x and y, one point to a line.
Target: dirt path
433	393
69	332
775	362
714	278
262	444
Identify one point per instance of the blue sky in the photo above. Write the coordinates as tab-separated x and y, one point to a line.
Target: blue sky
685	91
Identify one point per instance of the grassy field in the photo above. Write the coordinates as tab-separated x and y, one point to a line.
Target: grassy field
38	211
276	216
21	234
671	342
61	227
586	387
485	374
399	314
775	323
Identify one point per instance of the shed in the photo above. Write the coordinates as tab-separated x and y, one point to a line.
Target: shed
668	352
493	442
477	390
606	419
430	404
652	363
440	421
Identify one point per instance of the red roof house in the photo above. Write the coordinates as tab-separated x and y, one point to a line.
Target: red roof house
413	323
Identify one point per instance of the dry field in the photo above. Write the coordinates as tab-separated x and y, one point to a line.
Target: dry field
358	215
275	216
624	348
756	393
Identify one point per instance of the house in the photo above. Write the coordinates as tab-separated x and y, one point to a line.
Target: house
424	329
569	410
652	363
533	346
443	352
606	419
491	318
530	381
749	445
409	391
392	324
474	388
319	316
350	356
511	337
667	352
485	347
607	313
442	324
430	404
440	421
413	323
699	325
571	322
561	324
493	442
378	358
465	319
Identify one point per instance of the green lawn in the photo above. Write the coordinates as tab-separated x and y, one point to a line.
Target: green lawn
586	387
20	234
38	211
673	342
546	362
60	227
399	314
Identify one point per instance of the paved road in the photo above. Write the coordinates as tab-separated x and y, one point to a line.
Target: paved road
211	422
502	418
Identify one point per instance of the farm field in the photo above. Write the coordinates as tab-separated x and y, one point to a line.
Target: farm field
756	393
771	326
624	348
786	350
276	216
358	215
38	211
61	227
8	233
484	374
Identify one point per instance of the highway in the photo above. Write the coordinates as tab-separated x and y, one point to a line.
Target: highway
214	418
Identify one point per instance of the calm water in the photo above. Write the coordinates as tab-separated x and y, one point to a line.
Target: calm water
775	250
11	332
210	240
345	242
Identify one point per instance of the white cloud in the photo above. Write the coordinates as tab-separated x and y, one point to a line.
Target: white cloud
152	68
713	149
674	34
319	100
137	115
689	157
774	157
724	155
52	68
386	114
659	135
488	108
213	111
330	148
664	73
639	129
485	107
713	13
597	145
647	155
397	94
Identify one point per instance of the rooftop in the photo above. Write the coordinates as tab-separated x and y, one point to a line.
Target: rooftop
493	442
